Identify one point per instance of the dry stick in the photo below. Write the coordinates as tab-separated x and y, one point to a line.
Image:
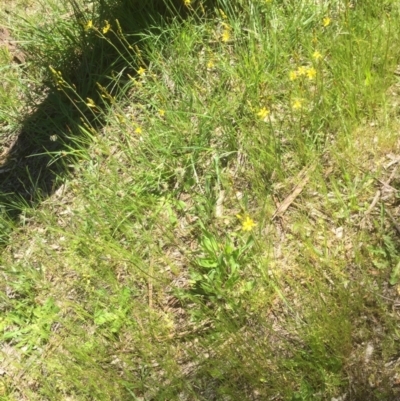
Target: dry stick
394	161
391	176
219	207
374	202
396	225
296	192
385	184
378	194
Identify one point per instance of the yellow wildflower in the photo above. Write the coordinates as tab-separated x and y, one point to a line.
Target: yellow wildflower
106	27
297	104
292	75
247	222
161	112
226	35
210	64
223	15
90	102
138	130
317	55
326	21
301	71
187	2
89	25
141	71
311	73
263	113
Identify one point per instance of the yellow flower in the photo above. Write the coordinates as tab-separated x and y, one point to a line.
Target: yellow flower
297	104
223	15
138	130
263	113
326	21
301	71
89	25
292	75
90	102
311	73
210	64
141	71
187	2
317	55
226	35
247	222
161	112
106	27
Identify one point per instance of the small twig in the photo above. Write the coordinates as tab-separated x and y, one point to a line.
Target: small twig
382	296
388	181
385	184
281	209
395	160
374	202
396	225
219	206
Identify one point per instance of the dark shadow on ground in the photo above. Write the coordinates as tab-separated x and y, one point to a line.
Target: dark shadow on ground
40	158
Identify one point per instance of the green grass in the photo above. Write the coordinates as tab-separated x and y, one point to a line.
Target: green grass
145	252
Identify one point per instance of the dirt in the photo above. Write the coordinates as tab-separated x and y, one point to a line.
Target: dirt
6	41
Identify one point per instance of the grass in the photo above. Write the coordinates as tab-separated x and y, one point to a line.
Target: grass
200	202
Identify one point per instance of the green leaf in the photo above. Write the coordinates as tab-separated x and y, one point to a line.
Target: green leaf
102	316
207	263
395	276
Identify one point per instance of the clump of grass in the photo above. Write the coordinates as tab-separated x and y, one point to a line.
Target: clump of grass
212	230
